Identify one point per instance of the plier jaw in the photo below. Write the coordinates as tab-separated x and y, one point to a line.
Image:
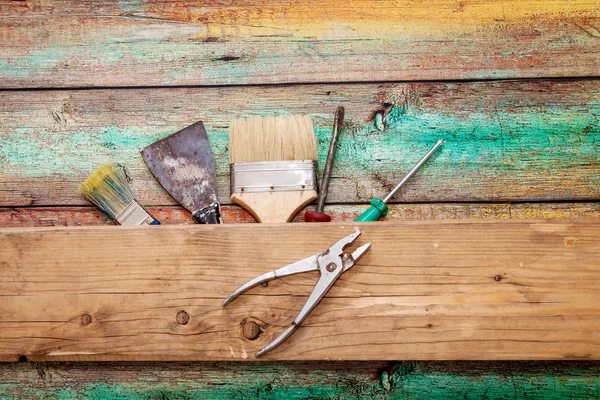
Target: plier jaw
331	263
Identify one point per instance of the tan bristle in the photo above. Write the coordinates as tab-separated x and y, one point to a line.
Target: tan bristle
272	139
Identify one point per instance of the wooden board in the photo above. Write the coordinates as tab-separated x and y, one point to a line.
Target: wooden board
171	215
152	42
161	43
426	290
510	141
302	380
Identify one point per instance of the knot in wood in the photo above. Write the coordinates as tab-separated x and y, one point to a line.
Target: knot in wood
182	318
250	330
86	319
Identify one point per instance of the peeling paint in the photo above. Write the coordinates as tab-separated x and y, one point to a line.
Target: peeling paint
279	381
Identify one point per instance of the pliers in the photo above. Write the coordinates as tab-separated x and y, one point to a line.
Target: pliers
331	263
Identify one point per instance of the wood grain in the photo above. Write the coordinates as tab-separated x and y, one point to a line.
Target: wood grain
175	215
505	141
50	141
426	290
158	43
302	380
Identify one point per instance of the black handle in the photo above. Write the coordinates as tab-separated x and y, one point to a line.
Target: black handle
208	215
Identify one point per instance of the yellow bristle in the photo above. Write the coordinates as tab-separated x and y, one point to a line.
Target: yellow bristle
272	139
107	188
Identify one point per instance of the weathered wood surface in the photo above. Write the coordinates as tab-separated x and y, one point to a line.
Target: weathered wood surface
139	43
301	380
158	43
88	216
497	290
510	141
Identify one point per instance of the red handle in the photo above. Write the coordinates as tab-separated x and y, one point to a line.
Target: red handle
313	216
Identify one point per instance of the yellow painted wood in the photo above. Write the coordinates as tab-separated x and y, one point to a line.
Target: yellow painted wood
87	216
156	43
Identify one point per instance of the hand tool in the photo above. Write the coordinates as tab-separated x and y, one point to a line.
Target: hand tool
273	166
108	189
318	215
331	264
183	164
378	207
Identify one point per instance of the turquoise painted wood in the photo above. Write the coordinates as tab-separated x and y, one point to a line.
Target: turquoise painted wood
504	141
512	141
279	381
159	43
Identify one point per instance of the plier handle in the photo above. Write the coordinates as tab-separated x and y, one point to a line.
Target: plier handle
331	264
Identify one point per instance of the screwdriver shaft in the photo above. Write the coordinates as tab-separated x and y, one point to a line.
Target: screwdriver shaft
412	171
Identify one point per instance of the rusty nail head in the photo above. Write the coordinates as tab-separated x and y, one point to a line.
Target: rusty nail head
250	330
264	284
498	278
183	318
86	319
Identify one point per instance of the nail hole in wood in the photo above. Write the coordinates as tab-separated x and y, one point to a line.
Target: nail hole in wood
183	318
497	278
23	358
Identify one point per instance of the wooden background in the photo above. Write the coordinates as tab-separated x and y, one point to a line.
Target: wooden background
513	87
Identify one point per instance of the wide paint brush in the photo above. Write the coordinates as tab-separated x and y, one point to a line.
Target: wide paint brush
273	166
108	189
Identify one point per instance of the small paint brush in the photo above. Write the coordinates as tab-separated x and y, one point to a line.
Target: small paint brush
318	215
108	189
273	166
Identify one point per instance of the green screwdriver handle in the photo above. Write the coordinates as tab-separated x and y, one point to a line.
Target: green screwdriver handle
377	210
378	207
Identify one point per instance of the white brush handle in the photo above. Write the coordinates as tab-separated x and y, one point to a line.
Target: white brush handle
135	215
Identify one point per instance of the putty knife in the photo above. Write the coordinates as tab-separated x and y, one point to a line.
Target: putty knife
183	164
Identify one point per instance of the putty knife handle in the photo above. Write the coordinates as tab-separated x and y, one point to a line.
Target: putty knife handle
208	215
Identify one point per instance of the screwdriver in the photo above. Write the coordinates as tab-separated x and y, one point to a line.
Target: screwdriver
378	207
319	215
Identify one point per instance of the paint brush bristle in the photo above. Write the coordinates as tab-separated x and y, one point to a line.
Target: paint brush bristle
107	188
272	139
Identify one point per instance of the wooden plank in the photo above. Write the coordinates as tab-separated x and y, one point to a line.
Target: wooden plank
426	290
302	380
505	141
175	215
157	43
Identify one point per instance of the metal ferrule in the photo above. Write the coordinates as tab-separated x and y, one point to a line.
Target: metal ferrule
134	215
273	176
